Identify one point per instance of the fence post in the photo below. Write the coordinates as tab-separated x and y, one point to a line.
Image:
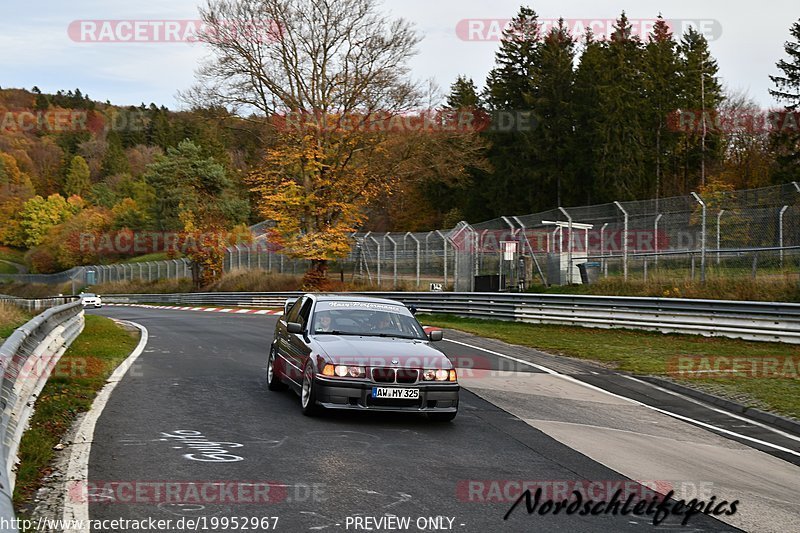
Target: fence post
624	241
780	230
719	216
569	245
427	250
409	234
481	243
603	249
702	238
378	262
394	256
473	245
530	248
655	237
444	255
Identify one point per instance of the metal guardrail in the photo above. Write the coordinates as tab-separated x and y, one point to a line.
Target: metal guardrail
27	359
37	304
757	321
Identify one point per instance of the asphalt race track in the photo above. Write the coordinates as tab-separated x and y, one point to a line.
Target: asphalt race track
195	409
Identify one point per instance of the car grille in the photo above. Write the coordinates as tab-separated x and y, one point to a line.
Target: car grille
395	375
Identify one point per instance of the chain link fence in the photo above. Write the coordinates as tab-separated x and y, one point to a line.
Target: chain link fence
749	233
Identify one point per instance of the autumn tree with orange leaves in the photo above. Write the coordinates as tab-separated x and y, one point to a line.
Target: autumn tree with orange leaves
324	74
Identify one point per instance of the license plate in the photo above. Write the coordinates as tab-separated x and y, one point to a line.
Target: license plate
395	393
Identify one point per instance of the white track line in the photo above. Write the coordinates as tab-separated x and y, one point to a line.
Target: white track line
76	505
716	409
635	402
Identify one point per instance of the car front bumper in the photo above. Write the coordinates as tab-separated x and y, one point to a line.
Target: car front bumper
357	395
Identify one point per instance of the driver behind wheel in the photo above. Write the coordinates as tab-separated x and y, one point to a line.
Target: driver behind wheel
323	322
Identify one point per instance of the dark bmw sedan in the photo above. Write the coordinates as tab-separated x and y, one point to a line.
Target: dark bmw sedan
360	353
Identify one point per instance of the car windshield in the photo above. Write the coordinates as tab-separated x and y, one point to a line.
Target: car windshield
89	295
365	319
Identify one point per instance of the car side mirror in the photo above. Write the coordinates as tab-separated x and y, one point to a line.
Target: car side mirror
436	335
294	327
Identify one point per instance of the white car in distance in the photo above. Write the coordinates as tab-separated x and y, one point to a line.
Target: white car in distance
89	299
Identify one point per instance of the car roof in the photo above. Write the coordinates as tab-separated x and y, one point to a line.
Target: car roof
354	298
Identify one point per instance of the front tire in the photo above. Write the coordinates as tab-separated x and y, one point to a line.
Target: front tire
273	381
308	393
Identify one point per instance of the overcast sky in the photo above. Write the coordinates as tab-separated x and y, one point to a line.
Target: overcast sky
38	48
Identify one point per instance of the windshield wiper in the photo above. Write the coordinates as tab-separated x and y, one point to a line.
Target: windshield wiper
362	334
385	335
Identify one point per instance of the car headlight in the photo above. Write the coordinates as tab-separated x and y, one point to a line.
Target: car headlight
439	374
349	371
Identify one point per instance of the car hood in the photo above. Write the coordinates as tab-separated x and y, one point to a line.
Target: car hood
380	351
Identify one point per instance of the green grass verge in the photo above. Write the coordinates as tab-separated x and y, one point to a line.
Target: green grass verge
11	317
642	352
12	254
71	389
6	268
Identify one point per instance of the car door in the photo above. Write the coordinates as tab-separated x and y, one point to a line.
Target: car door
299	342
298	348
283	345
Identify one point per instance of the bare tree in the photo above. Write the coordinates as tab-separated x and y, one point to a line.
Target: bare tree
311	56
